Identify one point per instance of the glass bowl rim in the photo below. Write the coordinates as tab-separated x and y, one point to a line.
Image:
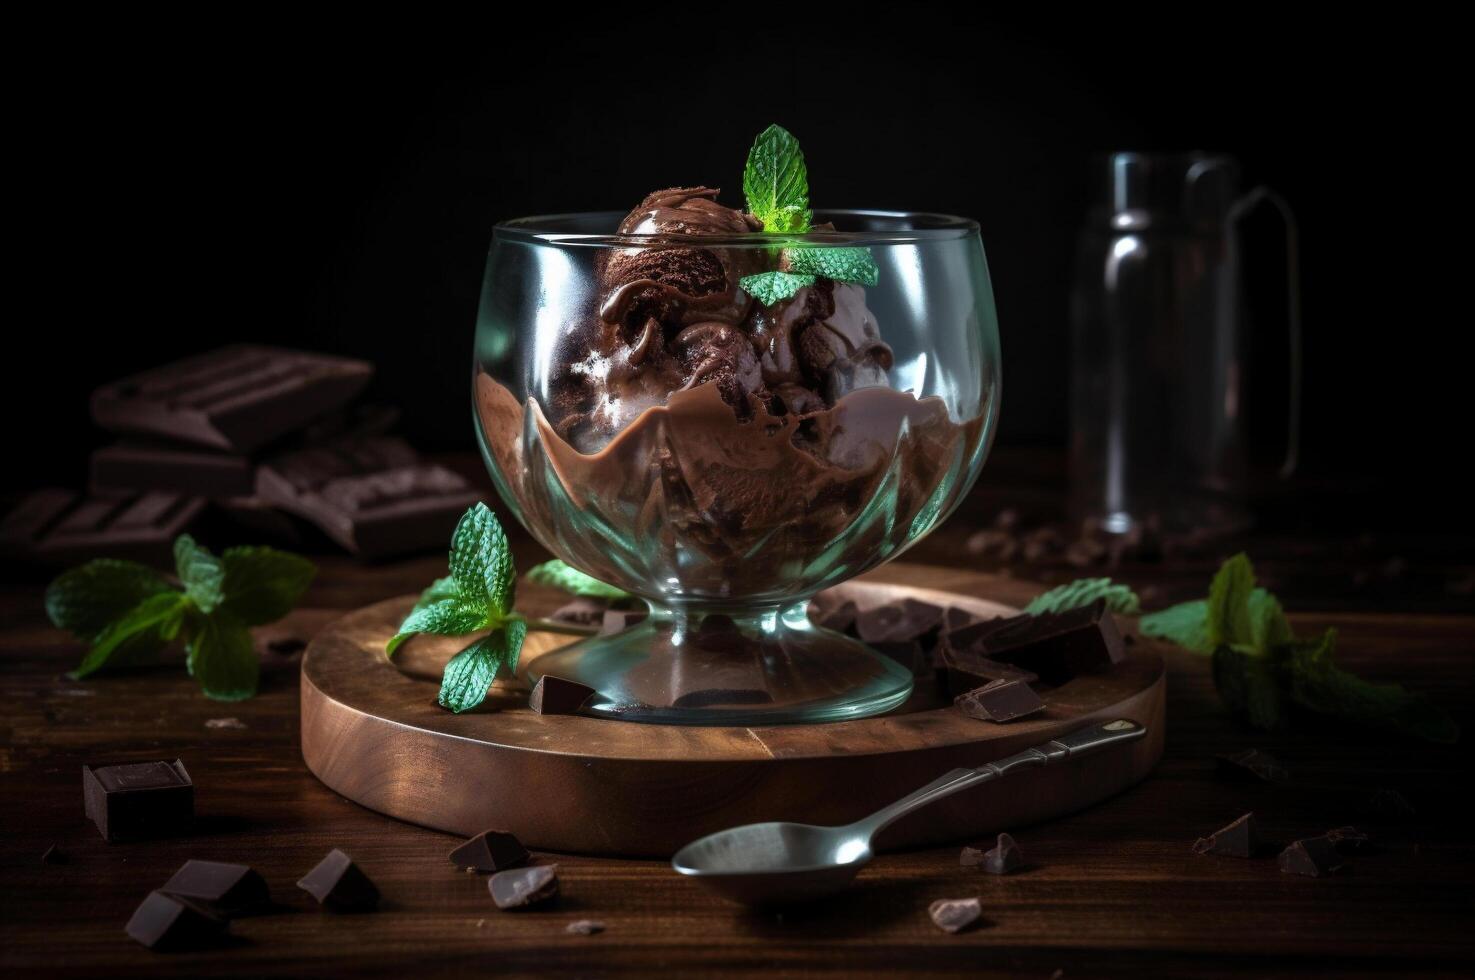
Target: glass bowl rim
914	227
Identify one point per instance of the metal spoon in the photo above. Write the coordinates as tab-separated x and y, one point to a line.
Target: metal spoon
772	863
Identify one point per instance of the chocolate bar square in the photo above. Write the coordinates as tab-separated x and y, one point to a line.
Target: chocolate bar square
139	799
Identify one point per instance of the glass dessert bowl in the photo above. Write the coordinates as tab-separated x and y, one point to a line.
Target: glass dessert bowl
725	452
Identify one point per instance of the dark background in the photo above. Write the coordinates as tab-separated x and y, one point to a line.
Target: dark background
336	189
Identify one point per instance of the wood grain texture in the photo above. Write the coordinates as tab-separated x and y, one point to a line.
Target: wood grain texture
1113	890
371	731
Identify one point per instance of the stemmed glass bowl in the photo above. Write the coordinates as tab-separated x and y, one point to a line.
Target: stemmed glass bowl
725	503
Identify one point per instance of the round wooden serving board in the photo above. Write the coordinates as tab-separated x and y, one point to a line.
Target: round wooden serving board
371	730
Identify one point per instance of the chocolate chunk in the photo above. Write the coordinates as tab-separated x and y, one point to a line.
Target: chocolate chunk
372	496
1000	701
524	887
168	922
955	914
490	850
139	799
898	622
53	855
225	889
839	616
1313	857
1349	839
968	671
339	885
556	696
1253	763
1057	646
1239	839
59	527
236	398
1004	857
580	612
617	620
130	466
584	927
954	618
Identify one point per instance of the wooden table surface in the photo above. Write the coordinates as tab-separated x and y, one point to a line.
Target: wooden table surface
1115	890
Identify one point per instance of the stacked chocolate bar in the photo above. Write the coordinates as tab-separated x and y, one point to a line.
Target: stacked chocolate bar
267	436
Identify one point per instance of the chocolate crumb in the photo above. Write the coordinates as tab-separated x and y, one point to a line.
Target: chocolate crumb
953	915
1004	857
1239	839
1313	857
584	927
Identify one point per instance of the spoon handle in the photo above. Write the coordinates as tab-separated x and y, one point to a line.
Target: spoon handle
1081	742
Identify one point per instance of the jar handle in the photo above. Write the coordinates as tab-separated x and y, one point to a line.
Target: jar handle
1237	211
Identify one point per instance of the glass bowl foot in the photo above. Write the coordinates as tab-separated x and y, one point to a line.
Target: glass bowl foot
729	667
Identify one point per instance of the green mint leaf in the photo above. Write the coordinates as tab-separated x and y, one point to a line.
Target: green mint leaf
771	287
263	584
1248	684
481	563
855	265
561	575
1269	627
1185	624
1228	619
470	673
440	589
222	657
141	632
1318	684
202	573
89	598
445	617
776	182
1119	598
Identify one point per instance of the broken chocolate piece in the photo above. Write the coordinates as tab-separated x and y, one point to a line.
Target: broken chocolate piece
898	622
581	612
139	799
955	914
556	696
1000	701
1312	857
236	398
490	850
968	670
225	889
1349	839
339	885
584	927
53	855
1057	646
1004	857
955	618
59	527
524	887
972	855
1253	763
168	922
839	616
1239	839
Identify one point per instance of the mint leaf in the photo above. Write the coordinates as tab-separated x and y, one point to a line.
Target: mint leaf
771	287
1082	592
561	575
202	573
464	684
88	599
441	588
1318	684
854	265
140	632
1185	624
1248	685
222	657
776	182
1268	625
481	563
1228	619
262	584
447	617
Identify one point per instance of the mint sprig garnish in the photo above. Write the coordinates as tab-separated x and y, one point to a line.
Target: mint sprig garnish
1119	598
128	613
772	287
1261	669
776	182
561	575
